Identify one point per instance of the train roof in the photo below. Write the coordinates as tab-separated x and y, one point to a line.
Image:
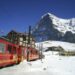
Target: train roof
5	39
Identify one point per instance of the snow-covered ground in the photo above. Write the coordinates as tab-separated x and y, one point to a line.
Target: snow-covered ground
52	64
65	45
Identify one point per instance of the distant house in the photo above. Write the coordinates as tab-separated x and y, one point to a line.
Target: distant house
53	48
22	39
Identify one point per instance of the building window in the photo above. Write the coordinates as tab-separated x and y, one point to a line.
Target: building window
26	37
20	43
21	39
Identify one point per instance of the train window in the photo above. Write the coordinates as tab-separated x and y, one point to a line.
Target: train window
9	48
2	47
14	50
31	51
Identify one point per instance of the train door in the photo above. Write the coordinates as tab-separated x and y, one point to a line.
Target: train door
23	53
9	48
15	55
19	54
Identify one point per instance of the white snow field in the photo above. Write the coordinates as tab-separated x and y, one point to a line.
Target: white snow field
52	64
65	45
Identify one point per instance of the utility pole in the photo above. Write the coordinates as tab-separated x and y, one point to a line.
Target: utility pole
28	43
40	48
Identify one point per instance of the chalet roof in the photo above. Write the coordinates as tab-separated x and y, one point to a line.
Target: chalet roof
19	33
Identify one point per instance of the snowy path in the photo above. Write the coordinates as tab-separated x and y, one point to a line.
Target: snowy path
50	65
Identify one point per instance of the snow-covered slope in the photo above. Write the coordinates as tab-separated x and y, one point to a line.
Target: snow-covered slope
62	25
65	45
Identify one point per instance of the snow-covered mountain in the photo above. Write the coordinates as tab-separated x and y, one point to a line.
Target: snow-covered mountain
62	25
51	27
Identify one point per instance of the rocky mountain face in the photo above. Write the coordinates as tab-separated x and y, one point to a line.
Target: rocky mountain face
51	27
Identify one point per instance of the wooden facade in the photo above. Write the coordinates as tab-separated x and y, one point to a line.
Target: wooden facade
21	39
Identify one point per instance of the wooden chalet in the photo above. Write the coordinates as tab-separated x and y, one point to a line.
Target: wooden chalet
21	39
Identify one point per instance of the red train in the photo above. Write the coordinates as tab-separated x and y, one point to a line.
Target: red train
13	54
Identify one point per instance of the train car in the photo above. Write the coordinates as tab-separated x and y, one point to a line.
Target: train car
29	53
33	54
8	53
13	54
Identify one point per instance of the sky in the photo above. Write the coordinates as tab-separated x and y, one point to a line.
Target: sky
19	14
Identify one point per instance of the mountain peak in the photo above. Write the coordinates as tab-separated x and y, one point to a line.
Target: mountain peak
47	14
